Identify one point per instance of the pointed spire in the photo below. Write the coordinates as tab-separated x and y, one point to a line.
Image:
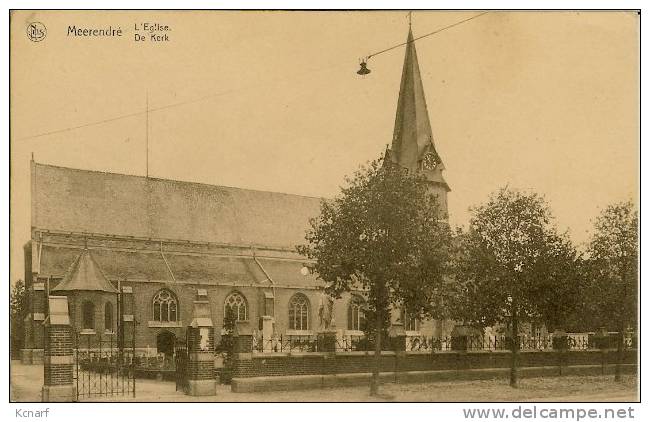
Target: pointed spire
85	274
412	135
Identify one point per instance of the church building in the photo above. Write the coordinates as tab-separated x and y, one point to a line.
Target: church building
165	244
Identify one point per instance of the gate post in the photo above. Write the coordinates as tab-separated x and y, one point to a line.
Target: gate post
58	359
200	348
243	350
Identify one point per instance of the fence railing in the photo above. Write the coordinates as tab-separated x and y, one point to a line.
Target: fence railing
95	360
286	343
301	343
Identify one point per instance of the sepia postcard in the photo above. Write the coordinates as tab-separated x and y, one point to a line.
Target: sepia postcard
326	206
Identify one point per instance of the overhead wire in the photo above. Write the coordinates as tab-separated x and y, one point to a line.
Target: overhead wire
226	92
168	106
428	34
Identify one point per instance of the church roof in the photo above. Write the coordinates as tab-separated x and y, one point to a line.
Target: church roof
141	264
85	274
74	200
412	135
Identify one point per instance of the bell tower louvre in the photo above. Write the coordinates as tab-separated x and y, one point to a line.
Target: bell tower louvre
413	145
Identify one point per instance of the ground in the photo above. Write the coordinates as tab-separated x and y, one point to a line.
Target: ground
26	382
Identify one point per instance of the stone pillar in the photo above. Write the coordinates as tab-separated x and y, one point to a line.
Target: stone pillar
267	333
200	348
397	337
58	359
269	303
327	340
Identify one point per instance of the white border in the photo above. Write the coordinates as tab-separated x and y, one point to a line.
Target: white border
269	412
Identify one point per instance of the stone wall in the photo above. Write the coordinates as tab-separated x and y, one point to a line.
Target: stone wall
284	364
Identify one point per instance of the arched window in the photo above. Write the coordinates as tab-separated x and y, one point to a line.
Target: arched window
356	316
165	307
108	317
236	303
299	312
88	315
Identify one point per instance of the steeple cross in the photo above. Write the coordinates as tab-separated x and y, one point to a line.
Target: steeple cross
409	16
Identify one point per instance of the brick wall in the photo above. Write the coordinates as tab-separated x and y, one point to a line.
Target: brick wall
58	351
92	337
200	363
143	293
194	339
277	364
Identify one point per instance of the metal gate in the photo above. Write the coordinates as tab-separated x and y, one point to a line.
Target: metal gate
102	366
181	362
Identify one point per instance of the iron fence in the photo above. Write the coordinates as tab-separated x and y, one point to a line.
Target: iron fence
101	368
574	341
353	344
287	343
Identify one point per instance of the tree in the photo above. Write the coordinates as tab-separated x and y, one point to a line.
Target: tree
383	234
613	264
227	345
559	284
17	304
512	265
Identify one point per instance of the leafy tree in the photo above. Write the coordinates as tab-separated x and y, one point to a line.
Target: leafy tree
17	305
382	234
513	265
613	264
559	285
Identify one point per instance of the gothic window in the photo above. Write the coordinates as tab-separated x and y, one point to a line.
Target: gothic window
299	312
88	315
236	303
356	316
108	316
165	307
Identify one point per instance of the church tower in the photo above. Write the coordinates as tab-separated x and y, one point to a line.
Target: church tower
413	145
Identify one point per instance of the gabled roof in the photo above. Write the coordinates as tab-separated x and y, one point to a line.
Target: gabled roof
74	200
412	135
85	274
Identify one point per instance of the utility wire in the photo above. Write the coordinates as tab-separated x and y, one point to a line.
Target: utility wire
222	93
124	116
173	105
429	34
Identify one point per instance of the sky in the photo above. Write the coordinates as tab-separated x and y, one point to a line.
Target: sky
542	101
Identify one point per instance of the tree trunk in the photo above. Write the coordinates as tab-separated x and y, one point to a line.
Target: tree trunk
515	347
374	382
621	329
619	351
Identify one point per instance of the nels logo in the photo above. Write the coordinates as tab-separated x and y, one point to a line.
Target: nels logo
36	31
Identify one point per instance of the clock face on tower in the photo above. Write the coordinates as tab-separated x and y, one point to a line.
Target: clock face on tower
429	161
